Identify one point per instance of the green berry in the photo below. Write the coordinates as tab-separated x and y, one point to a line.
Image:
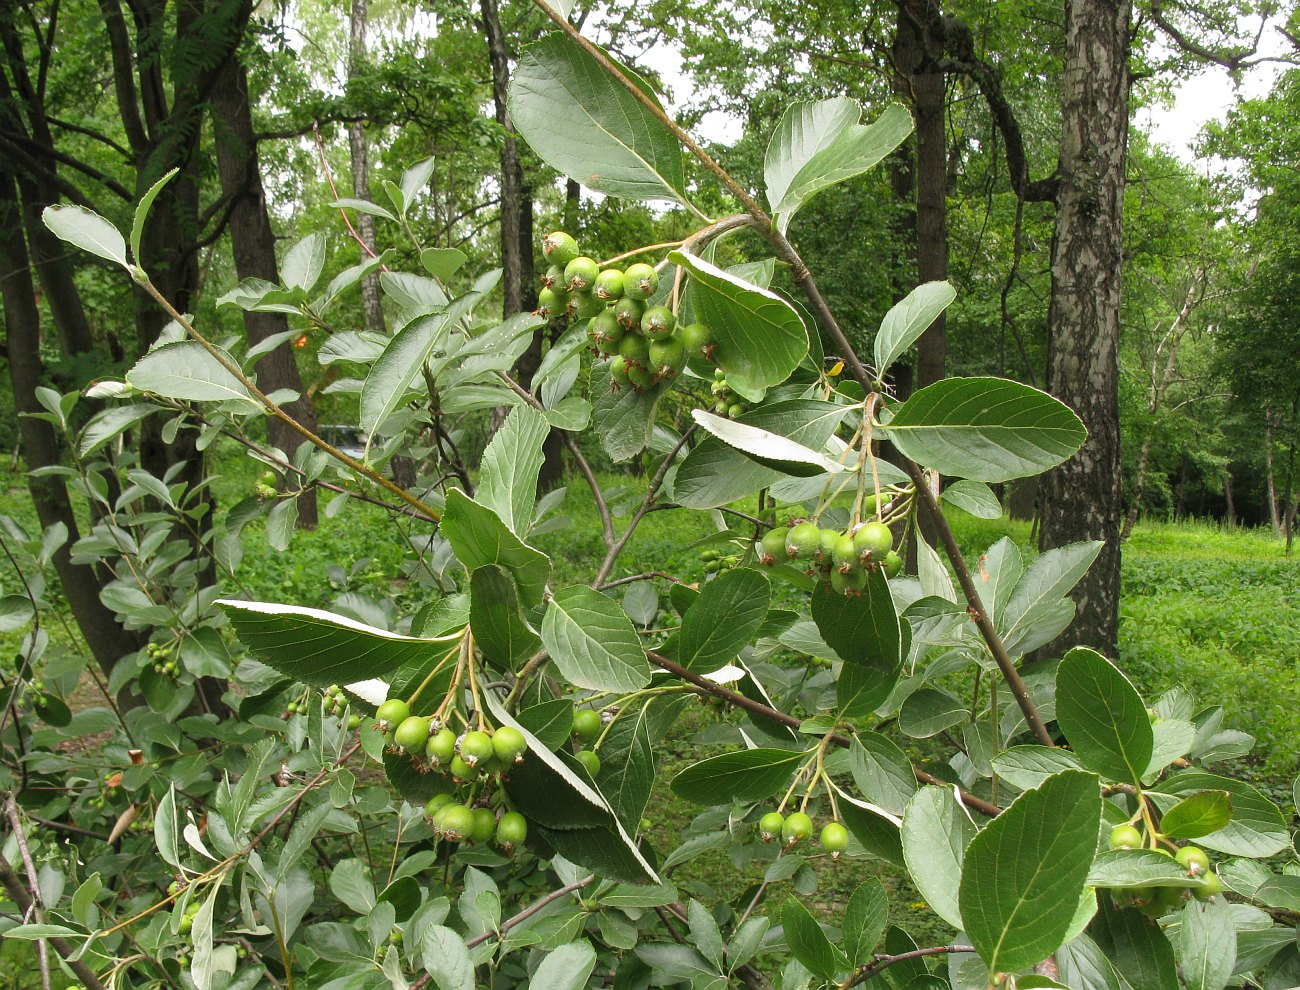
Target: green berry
354	722
802	541
553	277
827	541
769	826
580	273
629	311
852	583
512	829
586	724
585	306
772	546
1125	837
457	822
608	285
844	553
641	377
736	410
696	338
835	838
559	248
667	358
605	329
893	564
412	734
462	770
658	322
640	281
873	541
1194	859
796	828
485	825
1211	886
509	744
392	712
436	803
618	371
722	407
635	350
590	760
476	748
441	747
552	303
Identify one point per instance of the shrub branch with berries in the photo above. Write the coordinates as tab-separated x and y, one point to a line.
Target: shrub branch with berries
519	721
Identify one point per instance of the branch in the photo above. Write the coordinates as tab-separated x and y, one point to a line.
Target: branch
90	133
884	962
112	185
124	77
791	722
1234	60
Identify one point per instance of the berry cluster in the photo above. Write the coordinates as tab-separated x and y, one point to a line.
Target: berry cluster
161	658
796	827
1156	901
587	725
456	822
726	403
335	703
842	557
644	344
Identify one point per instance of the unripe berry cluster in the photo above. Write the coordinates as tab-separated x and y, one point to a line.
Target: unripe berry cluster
162	660
1156	901
796	827
726	403
842	558
456	822
645	346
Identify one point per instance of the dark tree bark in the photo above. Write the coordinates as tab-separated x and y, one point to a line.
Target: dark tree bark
107	639
252	243
1082	498
370	298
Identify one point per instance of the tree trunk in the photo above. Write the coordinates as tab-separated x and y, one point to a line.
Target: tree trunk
1139	486
107	639
370	299
1083	496
1288	519
1270	479
252	243
1230	505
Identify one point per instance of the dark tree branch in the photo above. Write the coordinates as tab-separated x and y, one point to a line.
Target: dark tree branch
1234	59
124	76
46	175
47	151
103	139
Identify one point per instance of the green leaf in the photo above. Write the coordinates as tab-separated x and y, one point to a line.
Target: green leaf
715	473
723	620
572	413
501	629
808	943
865	918
1137	868
478	537
882	771
1083	966
1028	766
186	370
1136	947
15	612
88	231
1051	576
1103	716
936	832
1279	892
985	429
1024	874
363	206
593	643
33	932
390	378
565	968
303	262
414	179
443	263
1206	945
167	829
1197	815
321	648
1257	828
627	766
974	497
510	467
704	932
769	449
854	150
929	711
622	419
804	130
446	959
863	630
759	338
142	212
907	320
746	775
585	125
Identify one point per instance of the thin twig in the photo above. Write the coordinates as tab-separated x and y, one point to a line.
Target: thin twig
884	962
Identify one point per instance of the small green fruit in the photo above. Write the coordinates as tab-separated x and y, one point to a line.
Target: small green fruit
618	371
585	306
736	410
844	553
667	358
635	350
509	744
827	540
441	747
873	541
769	826
485	825
1125	837
457	822
354	722
559	248
1212	885
772	546
1194	859
590	760
608	285
462	770
658	322
851	584
512	829
835	838
641	377
580	273
436	803
892	564
640	281
796	828
552	303
629	311
412	734
802	541
586	724
695	337
392	712
553	277
605	328
476	747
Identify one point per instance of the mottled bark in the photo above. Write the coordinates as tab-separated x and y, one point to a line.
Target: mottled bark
252	243
1270	477
1082	498
360	159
